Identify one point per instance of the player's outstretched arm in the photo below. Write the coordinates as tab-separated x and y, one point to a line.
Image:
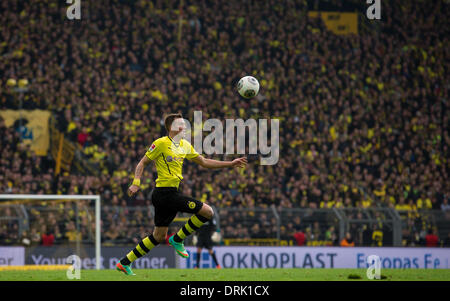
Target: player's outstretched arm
213	164
137	175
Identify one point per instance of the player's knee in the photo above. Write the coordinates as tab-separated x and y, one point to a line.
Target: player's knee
207	212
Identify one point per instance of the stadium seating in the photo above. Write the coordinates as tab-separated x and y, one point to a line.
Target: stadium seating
362	116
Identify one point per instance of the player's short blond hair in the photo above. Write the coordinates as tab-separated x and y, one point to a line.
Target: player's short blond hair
169	118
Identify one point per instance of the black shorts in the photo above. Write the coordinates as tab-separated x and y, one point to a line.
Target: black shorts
205	242
204	237
168	202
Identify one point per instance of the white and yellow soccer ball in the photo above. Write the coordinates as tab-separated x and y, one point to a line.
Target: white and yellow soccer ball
248	87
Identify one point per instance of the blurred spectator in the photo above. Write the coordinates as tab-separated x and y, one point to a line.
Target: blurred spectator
3	235
445	206
47	238
419	241
297	222
329	232
347	241
57	234
432	240
447	241
256	231
300	237
25	239
317	231
35	237
71	233
377	236
334	239
284	235
82	137
331	236
309	235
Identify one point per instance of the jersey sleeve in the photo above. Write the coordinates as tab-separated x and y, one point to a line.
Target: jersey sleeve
191	153
154	150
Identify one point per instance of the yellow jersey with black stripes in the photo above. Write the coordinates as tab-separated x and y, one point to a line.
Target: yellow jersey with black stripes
169	157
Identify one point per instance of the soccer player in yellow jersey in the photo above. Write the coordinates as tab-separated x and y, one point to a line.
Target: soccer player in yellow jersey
169	153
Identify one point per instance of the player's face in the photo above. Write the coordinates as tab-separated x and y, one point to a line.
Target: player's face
179	127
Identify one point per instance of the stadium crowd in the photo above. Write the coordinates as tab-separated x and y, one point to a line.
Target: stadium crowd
363	118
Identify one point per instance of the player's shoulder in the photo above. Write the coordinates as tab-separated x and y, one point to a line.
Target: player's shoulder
157	144
184	142
162	140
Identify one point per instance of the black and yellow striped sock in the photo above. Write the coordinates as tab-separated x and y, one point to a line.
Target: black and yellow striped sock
141	249
193	224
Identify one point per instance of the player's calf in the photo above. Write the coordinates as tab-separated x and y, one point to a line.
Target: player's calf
140	250
193	224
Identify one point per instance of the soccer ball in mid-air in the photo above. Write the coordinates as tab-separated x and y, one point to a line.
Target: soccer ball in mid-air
248	87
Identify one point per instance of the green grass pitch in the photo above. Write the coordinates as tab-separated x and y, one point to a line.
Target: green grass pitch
232	275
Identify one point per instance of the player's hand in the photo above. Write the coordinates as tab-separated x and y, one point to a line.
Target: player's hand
132	190
239	162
